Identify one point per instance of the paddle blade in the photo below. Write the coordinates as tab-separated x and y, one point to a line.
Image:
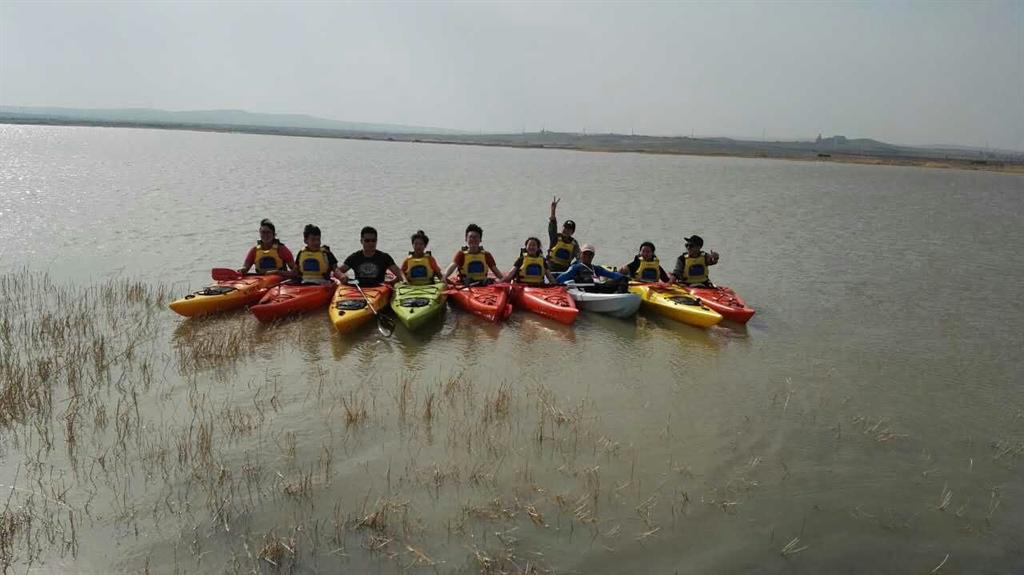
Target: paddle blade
385	325
225	274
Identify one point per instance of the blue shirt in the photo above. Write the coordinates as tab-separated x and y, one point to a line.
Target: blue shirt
599	271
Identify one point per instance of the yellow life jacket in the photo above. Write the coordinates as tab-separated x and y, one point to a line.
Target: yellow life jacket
531	270
647	271
561	252
268	259
313	265
695	270
474	266
418	270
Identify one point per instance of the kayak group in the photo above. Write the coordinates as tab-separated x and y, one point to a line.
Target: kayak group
556	284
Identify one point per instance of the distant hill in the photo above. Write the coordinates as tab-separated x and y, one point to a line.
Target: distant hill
834	148
210	117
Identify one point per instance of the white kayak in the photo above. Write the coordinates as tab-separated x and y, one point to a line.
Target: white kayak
601	299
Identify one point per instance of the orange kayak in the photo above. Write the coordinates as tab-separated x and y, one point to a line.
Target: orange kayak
549	301
487	301
292	298
724	301
226	295
349	309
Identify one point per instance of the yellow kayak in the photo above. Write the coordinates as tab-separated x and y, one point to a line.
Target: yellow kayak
226	294
349	310
676	303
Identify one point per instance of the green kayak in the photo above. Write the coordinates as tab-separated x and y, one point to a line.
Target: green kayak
415	305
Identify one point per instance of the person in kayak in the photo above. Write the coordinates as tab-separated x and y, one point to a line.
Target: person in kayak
645	267
530	268
269	254
368	264
420	268
583	271
314	263
564	248
473	261
692	267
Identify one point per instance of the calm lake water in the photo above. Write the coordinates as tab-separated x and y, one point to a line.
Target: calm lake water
869	418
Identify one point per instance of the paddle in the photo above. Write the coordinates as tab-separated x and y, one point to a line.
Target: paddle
385	325
225	274
459	286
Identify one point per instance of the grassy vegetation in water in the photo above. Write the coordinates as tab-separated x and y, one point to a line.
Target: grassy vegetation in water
115	430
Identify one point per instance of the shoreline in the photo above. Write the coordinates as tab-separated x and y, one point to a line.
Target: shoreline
666	146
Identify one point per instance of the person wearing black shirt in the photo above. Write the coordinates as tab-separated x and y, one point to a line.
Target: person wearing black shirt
368	264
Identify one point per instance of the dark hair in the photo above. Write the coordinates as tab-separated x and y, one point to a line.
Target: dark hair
647	244
367	230
265	223
474	228
310	230
540	246
419	235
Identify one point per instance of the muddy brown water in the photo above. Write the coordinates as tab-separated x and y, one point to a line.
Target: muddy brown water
869	418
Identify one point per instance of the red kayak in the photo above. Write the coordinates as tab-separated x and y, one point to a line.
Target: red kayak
488	301
549	301
292	298
724	301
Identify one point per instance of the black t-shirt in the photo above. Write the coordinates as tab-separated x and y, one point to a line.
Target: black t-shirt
369	270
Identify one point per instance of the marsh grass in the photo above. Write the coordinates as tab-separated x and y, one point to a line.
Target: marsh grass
199	448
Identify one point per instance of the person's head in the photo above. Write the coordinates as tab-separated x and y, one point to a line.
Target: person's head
368	237
268	232
311	235
532	246
647	250
568	228
419	241
694	244
474	234
587	254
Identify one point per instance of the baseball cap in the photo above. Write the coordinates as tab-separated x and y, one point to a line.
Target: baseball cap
588	248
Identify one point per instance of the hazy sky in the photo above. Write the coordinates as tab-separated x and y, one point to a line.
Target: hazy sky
912	73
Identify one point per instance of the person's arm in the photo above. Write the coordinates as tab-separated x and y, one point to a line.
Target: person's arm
388	263
630	268
398	272
494	267
549	277
341	271
250	258
435	268
512	272
678	272
287	257
567	274
456	263
662	274
601	271
575	250
553	222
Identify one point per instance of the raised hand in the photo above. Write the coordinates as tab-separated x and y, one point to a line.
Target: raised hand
554	204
